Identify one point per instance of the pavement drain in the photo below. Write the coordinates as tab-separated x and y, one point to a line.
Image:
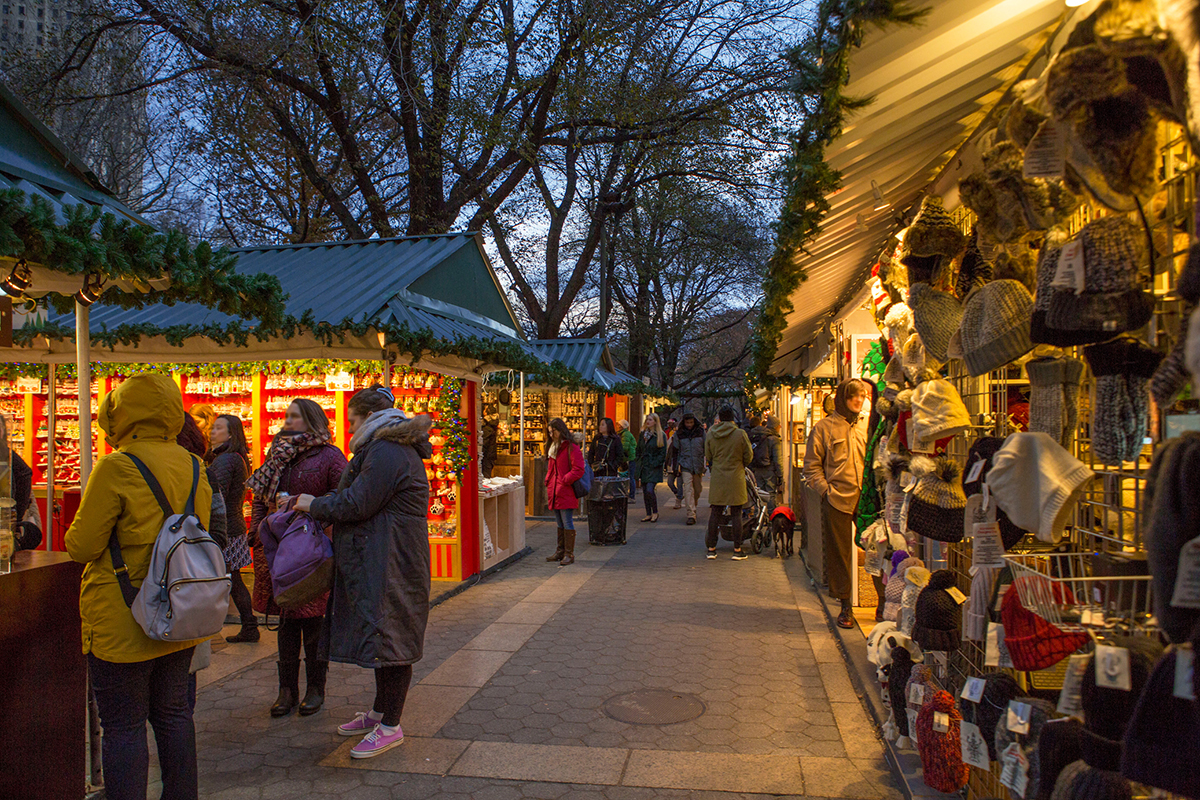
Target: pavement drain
653	707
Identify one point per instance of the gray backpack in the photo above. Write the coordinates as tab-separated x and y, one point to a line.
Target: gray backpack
185	594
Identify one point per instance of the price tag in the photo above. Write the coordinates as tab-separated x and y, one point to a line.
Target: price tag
1000	592
904	515
976	471
1015	774
941	722
916	694
974	747
1045	155
1112	668
1070	700
1187	579
987	548
973	689
956	595
1069	274
1018	716
996	654
1185	666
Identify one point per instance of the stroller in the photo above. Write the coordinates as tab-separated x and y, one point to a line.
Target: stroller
756	520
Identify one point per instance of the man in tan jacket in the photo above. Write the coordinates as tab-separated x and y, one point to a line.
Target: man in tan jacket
833	467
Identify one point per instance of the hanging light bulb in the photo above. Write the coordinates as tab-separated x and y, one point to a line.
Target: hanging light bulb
18	280
877	193
93	287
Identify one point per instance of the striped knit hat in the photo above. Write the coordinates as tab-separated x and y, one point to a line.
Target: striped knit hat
938	504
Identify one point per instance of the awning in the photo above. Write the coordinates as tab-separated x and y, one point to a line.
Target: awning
933	84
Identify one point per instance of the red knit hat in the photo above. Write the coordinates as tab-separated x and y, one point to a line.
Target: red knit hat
941	753
1033	643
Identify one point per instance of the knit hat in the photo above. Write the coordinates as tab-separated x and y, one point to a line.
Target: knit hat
1162	741
916	578
1007	204
998	689
1171	506
899	324
1078	781
1040	712
932	234
923	675
1036	482
1192	347
995	326
939	618
893	375
936	316
936	507
984	448
893	506
975	613
1058	746
916	359
1054	396
941	752
1032	642
902	665
893	588
1121	411
1106	712
1172	374
938	411
973	271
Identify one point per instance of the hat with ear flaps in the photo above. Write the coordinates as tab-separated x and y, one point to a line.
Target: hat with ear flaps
931	242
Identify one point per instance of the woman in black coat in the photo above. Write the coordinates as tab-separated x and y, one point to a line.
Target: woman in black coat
379	605
607	453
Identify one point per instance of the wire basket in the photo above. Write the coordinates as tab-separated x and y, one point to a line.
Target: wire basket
1062	589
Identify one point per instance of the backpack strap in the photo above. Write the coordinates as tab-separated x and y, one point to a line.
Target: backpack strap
156	488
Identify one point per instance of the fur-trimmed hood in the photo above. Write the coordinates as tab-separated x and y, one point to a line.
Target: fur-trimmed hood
391	425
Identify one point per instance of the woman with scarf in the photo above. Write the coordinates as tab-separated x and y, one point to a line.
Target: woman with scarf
651	450
380	601
301	461
228	465
564	466
607	453
833	467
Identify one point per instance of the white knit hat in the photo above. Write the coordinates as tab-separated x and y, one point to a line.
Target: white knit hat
916	578
938	411
1036	482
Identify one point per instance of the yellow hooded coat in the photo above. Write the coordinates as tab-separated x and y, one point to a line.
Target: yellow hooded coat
142	416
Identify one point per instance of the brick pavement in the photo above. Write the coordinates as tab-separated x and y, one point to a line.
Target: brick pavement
507	701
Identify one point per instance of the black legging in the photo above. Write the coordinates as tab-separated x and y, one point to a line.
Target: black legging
391	688
651	497
292	631
241	598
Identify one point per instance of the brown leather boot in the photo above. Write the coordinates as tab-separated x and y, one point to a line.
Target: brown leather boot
558	554
569	551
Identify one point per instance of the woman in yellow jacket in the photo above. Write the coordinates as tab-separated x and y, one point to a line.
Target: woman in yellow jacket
136	678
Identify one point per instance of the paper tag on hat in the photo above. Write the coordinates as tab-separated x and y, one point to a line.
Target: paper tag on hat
941	722
976	471
1112	668
1018	716
916	694
1015	774
1070	699
996	654
973	689
956	595
1187	578
974	748
1185	666
987	548
904	514
1069	274
1045	155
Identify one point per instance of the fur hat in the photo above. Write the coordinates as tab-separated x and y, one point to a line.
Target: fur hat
1032	642
938	411
1036	482
1162	741
995	326
941	752
1121	412
935	509
1040	712
1082	75
936	316
1021	120
983	449
1008	204
939	619
932	233
1171	506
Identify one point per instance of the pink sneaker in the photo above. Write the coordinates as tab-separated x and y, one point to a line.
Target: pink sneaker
358	726
377	742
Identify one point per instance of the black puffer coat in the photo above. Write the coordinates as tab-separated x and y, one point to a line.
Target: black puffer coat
380	600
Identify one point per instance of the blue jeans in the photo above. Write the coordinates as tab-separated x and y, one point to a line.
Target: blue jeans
674	485
565	518
632	477
128	695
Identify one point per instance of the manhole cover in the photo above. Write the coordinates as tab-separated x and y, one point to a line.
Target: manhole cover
653	707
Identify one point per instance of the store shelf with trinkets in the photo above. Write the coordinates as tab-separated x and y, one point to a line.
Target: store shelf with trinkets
580	410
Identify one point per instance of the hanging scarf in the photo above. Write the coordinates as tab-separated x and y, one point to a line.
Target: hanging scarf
265	480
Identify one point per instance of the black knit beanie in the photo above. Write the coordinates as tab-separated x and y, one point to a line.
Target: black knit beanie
938	624
1106	712
1081	782
998	689
1058	746
1040	712
983	449
1171	506
1162	743
902	665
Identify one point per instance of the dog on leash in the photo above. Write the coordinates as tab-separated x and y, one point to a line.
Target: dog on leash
783	526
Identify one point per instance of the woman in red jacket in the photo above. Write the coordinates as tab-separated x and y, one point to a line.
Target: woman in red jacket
564	466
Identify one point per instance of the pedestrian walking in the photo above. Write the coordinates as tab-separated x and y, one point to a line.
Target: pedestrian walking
689	443
228	467
630	442
301	461
564	466
671	464
727	451
767	445
651	452
491	435
833	468
135	678
607	452
379	605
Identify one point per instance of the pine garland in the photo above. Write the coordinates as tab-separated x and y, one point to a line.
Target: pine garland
822	67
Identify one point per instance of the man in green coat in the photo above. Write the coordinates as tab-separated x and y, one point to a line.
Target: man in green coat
727	450
629	442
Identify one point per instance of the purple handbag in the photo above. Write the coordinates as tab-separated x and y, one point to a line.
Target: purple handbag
299	557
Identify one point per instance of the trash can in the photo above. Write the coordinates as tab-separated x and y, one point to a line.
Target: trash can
608	510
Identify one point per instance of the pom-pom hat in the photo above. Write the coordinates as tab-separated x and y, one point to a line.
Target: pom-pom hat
939	617
937	506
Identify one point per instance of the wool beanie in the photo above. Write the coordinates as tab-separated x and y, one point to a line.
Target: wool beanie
936	316
998	689
1162	741
893	504
941	752
1037	483
1171	506
995	326
1121	409
1039	332
932	235
902	665
1106	712
1058	746
975	614
1054	396
921	674
916	578
893	589
1032	642
1078	781
983	449
937	504
1040	712
938	411
1191	347
938	617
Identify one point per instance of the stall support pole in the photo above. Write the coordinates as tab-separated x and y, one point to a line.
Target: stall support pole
51	433
521	434
83	363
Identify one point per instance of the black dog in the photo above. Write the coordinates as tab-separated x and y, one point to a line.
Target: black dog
782	529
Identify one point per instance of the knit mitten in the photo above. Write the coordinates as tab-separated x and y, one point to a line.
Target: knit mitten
1123	368
1047	396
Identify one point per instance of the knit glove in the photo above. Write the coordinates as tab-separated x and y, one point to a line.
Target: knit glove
1123	368
1047	397
1072	376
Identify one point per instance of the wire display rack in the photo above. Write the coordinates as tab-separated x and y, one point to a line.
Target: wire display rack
1062	589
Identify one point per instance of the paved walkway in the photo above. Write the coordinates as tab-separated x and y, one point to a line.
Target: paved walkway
507	702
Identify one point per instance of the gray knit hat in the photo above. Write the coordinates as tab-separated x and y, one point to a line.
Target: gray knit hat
995	326
936	316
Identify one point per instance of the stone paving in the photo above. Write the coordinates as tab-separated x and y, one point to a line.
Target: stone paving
507	702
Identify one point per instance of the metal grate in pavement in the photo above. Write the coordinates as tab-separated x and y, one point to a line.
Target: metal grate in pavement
653	707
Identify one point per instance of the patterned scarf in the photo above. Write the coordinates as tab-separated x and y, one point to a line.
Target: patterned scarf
265	480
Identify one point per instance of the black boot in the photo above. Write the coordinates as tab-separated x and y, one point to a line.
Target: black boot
314	695
289	688
558	554
248	633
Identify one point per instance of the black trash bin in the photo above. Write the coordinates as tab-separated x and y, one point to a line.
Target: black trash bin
608	510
